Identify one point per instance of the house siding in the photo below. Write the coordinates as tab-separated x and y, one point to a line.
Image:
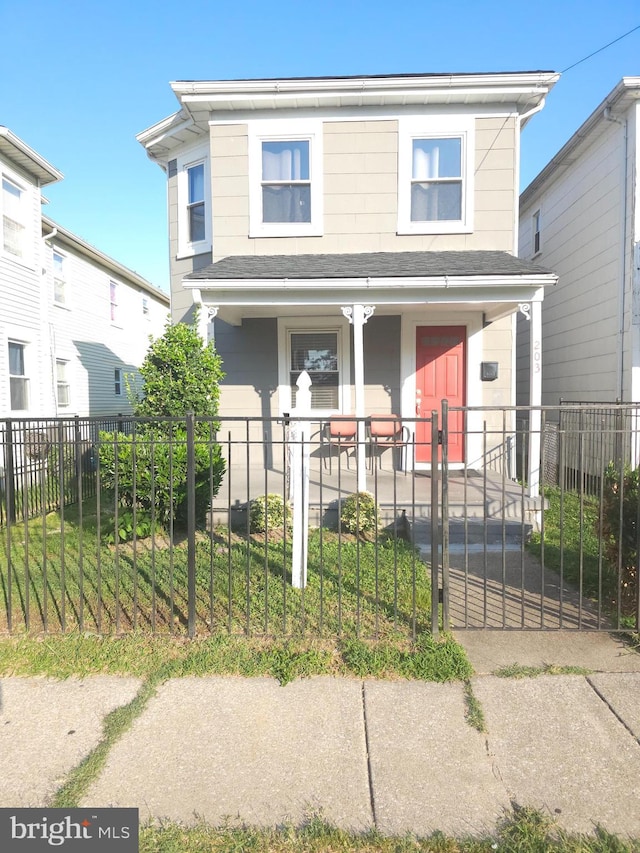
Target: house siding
581	239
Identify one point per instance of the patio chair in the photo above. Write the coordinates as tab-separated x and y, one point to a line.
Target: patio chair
340	431
387	431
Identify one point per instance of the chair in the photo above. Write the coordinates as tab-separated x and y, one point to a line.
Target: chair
341	431
387	431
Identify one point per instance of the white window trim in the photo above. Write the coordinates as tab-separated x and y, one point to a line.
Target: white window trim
279	131
194	157
119	381
29	371
65	362
536	220
435	127
27	258
65	278
315	324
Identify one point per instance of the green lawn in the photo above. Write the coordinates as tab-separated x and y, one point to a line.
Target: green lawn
63	576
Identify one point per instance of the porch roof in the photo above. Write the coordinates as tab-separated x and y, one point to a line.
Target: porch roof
441	266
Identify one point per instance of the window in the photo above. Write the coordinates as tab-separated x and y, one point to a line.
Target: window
117	382
317	353
13	219
286	181
145	306
194	207
436	180
59	294
285	178
113	301
62	385
18	381
536	232
435	175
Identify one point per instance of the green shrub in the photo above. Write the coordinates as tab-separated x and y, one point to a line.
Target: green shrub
620	533
149	471
359	514
128	527
267	513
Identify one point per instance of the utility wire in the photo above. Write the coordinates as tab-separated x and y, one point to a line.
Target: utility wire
600	49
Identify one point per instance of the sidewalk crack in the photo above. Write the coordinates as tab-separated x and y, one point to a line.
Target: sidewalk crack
612	709
372	799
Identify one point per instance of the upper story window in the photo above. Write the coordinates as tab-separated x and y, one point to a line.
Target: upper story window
113	301
14	218
18	379
117	381
59	283
435	175
285	178
536	232
194	204
145	306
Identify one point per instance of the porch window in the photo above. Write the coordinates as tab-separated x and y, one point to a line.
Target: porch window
317	353
18	380
436	180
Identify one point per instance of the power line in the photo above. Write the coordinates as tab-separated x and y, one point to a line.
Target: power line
600	49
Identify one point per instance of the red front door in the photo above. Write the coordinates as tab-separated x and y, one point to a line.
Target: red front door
440	374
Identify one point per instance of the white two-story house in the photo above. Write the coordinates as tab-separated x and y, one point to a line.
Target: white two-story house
74	323
361	228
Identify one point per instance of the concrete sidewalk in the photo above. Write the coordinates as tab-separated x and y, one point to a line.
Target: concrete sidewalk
396	755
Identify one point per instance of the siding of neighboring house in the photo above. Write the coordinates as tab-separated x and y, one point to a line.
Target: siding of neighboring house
581	238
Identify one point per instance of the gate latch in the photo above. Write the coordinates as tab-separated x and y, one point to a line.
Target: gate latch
439	436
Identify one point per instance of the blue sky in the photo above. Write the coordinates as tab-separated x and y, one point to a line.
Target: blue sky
79	79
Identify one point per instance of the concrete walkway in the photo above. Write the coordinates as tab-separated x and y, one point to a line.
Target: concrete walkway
396	755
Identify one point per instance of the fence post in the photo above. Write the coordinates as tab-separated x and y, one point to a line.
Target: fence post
445	515
299	482
191	526
10	475
435	583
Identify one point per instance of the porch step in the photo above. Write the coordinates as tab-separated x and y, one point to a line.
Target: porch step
476	536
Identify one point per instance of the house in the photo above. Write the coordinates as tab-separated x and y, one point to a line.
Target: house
361	228
579	216
73	321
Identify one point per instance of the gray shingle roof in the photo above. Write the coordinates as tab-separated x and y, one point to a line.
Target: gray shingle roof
367	265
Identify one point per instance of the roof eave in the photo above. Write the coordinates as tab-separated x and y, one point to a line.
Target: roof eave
371	283
28	159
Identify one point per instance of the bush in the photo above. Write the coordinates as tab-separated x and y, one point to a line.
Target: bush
149	470
266	513
359	514
620	533
180	374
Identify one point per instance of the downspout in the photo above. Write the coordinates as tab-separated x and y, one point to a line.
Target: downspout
608	115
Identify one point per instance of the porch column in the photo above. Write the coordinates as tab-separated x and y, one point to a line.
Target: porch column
533	312
358	315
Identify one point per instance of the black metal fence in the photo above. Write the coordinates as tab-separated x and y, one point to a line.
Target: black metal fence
188	526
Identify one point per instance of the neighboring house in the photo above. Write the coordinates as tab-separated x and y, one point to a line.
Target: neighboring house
580	217
73	322
361	228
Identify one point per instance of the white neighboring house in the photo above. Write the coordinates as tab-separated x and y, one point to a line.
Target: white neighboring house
73	321
580	217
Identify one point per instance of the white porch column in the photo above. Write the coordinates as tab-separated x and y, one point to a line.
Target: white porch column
358	316
533	312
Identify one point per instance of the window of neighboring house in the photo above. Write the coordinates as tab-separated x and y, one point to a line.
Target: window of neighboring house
536	232
13	219
18	380
435	176
194	213
59	284
145	306
317	353
117	381
285	178
62	383
113	301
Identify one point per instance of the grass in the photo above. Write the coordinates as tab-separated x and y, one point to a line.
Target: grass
473	714
516	670
522	831
63	576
